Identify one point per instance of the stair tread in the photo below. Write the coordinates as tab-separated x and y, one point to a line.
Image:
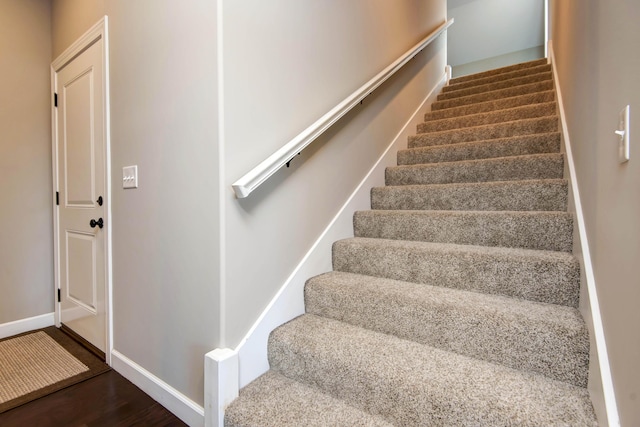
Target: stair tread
492	105
482	149
495	85
274	400
490	117
535	275
509	92
501	70
520	127
493	160
514	254
483	326
515	229
498	77
521	195
532	166
413	384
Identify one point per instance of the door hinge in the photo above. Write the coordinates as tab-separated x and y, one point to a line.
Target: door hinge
58	294
55	99
57	198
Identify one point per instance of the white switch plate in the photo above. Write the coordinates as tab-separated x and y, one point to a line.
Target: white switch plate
623	135
130	176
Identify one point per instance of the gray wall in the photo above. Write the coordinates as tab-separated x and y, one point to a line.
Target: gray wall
182	233
165	233
26	216
595	45
493	33
286	63
70	19
167	260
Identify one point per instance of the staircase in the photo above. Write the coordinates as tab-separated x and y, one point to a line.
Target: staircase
455	304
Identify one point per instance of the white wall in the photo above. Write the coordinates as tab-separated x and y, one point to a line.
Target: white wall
594	45
286	63
26	234
492	28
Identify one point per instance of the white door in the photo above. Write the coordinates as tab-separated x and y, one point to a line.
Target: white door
81	166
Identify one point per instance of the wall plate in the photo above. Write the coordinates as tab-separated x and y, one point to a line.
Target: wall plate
623	135
130	176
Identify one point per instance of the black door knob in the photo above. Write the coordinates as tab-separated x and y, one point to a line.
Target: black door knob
99	223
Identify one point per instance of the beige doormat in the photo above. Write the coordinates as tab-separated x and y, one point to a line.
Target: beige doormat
41	362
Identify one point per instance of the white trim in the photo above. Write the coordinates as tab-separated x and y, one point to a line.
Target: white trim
179	404
289	302
222	186
546	28
80	45
598	330
54	168
108	205
25	325
97	32
220	384
259	174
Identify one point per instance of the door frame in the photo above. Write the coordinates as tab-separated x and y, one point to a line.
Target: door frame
95	33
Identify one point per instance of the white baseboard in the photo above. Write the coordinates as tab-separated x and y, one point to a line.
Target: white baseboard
605	410
289	301
180	405
25	325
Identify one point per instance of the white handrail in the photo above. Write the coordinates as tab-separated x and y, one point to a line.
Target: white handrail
259	174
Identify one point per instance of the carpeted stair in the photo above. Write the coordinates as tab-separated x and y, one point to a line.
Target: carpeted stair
455	303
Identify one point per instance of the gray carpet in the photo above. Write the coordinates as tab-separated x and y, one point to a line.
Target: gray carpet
534	166
455	303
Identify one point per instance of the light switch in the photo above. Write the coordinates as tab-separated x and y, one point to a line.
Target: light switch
623	135
130	177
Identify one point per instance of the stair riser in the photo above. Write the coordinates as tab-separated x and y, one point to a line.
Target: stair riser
518	81
498	196
501	169
525	145
502	116
483	133
467	323
499	71
549	281
497	94
489	106
497	78
550	232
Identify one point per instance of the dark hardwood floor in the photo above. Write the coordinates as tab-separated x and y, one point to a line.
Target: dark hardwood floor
106	400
